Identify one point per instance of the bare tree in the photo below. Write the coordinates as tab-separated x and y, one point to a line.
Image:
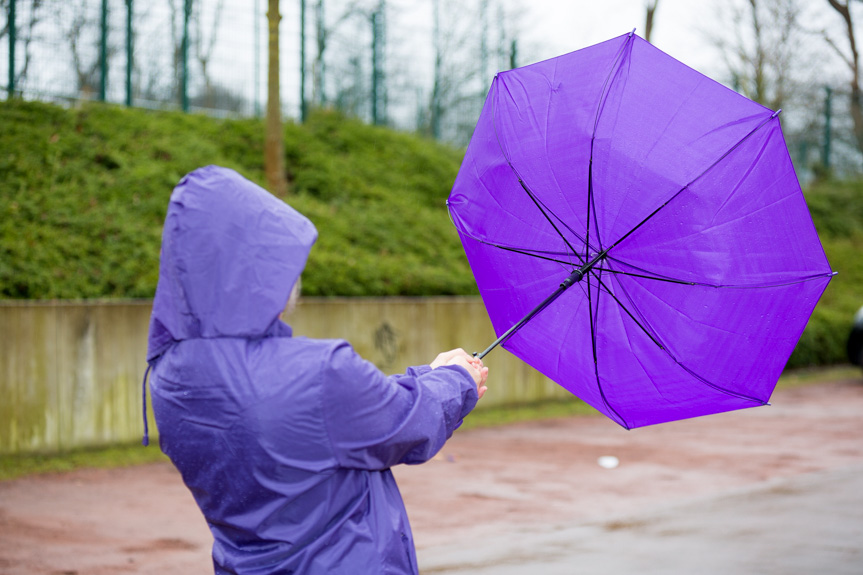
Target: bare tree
81	29
274	144
650	7
852	61
204	49
324	34
459	86
25	34
177	16
761	52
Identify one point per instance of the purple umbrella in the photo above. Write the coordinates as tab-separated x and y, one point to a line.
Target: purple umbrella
638	233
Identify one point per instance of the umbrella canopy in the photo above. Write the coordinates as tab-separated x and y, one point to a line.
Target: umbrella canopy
637	233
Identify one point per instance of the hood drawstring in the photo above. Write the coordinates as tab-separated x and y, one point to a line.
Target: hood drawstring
146	440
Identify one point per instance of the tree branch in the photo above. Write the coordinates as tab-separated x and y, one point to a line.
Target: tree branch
838	50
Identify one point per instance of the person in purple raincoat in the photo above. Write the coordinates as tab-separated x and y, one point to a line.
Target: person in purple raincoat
286	443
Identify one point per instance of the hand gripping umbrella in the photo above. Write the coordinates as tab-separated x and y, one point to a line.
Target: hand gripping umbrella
637	233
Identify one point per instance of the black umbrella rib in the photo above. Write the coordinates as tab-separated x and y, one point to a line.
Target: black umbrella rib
647	277
688	370
594	321
527	253
629	313
539	205
695	179
523	251
591	206
530	194
575	234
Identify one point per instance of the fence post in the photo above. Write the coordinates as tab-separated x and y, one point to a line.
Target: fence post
436	107
10	89
184	80
129	44
483	49
303	110
828	112
103	53
378	31
257	83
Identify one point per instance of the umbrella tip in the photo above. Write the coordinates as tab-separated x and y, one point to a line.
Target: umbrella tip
631	33
776	113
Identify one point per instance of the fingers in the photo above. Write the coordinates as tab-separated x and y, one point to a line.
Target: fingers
483	375
471	368
473	365
477	371
445	357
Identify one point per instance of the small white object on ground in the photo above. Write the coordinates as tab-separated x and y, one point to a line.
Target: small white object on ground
608	461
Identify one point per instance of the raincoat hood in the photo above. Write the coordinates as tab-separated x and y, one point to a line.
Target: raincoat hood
231	252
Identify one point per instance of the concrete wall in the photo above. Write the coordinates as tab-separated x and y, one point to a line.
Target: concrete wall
70	372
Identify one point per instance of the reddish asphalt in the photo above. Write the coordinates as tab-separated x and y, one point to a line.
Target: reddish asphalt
704	495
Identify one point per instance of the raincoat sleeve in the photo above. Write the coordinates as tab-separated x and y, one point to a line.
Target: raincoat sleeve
375	421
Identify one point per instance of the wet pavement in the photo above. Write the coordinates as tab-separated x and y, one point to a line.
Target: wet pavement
770	490
807	524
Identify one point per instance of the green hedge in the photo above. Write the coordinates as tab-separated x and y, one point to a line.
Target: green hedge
837	209
83	194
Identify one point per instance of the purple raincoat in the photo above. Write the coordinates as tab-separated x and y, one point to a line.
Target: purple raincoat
285	442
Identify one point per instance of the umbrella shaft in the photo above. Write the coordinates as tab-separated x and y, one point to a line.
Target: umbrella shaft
574	277
524	320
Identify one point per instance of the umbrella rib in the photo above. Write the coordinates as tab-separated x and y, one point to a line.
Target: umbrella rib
539	205
593	331
530	194
716	286
718	388
688	370
629	313
647	277
695	179
566	225
522	251
603	96
526	253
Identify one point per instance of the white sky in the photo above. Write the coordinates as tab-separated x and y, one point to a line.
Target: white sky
563	26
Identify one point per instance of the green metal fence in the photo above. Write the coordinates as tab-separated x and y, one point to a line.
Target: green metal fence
424	72
418	66
185	54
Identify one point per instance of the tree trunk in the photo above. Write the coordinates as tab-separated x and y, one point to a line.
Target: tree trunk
274	145
854	64
648	21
